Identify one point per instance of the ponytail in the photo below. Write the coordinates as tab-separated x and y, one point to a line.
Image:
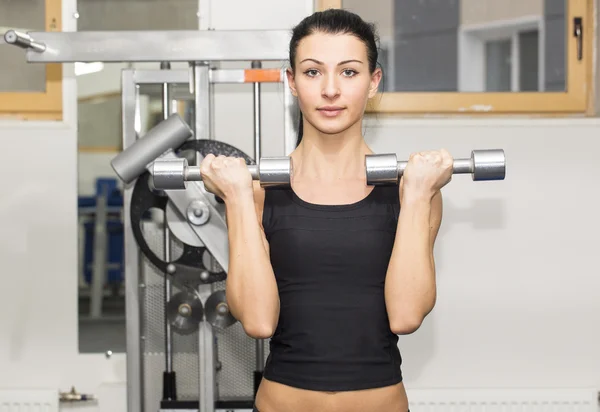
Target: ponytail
300	130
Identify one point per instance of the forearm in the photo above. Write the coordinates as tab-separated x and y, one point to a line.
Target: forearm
250	286
410	289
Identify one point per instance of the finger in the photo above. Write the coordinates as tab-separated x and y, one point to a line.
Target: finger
218	162
206	162
446	154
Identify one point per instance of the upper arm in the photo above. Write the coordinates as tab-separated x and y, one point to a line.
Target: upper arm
259	203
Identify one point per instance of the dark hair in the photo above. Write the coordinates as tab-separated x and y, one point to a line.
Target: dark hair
335	21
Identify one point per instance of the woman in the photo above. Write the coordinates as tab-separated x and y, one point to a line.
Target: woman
330	269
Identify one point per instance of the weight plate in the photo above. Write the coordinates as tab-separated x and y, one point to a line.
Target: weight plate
217	311
189	267
185	312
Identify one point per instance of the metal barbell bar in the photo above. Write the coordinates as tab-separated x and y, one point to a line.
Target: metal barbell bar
172	174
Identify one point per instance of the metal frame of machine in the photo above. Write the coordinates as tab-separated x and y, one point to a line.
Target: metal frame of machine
204	77
199	49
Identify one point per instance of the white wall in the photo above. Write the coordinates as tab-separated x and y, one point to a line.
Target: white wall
518	285
38	250
519	291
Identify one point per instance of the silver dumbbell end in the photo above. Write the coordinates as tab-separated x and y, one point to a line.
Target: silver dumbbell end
173	173
483	165
170	174
488	164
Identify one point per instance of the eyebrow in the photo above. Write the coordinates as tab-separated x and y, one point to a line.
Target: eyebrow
339	64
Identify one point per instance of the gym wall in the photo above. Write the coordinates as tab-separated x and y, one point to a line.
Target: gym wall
518	291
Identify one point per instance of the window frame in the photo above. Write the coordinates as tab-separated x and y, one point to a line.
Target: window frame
577	99
46	105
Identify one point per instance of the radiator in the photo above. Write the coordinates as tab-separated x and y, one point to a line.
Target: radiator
503	400
28	400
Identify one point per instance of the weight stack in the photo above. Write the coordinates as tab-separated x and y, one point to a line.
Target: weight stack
236	352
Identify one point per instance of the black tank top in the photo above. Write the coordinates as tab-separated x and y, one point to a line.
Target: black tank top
330	263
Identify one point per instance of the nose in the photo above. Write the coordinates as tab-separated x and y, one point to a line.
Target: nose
330	86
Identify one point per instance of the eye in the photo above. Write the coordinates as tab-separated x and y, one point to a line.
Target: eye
311	72
350	72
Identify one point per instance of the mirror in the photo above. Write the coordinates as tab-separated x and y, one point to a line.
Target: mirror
101	241
101	233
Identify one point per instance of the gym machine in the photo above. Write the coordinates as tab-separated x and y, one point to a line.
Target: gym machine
184	349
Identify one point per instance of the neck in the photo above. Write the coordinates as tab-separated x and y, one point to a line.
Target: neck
331	157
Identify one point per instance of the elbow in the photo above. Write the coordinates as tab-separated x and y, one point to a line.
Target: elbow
407	323
406	327
408	319
257	326
258	331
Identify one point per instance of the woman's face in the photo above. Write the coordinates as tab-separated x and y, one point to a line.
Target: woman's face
332	81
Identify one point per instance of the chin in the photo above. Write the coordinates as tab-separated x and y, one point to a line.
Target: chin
330	129
333	126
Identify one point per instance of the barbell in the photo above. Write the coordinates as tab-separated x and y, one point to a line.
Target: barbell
381	169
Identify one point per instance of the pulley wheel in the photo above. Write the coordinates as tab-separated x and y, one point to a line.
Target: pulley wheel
189	268
217	311
185	312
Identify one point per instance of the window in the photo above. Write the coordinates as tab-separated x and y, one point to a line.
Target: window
27	90
386	62
503	57
482	56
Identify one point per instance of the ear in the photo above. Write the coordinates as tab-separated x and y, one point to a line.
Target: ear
291	81
375	80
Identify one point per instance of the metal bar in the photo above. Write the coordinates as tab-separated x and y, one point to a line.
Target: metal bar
166	108
135	400
260	343
257	123
156	46
206	343
201	101
213	233
23	40
100	255
81	249
215	76
260	355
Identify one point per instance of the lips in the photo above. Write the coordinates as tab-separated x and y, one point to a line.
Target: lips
330	111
